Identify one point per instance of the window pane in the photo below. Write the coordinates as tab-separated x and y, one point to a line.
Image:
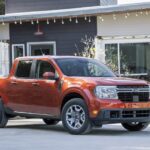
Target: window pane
18	51
42	67
24	68
112	56
134	58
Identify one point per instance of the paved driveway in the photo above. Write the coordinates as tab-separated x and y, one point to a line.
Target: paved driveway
34	135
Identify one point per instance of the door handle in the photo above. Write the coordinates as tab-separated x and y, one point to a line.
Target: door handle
14	82
35	84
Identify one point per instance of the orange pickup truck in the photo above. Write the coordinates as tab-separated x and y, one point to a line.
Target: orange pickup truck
80	92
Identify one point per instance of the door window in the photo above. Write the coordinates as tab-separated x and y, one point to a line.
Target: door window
24	69
42	67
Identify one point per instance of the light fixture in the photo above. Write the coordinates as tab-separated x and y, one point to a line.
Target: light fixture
85	17
3	23
89	19
126	16
114	17
54	20
37	21
63	21
70	19
15	22
38	32
20	22
141	12
47	21
100	17
146	13
77	20
32	22
136	15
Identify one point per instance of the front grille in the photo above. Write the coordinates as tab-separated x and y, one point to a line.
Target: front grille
135	113
133	93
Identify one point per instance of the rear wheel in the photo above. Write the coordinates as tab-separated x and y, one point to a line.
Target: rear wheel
51	121
135	126
75	117
3	117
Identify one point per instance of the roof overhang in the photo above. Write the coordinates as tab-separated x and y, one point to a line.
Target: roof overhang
74	12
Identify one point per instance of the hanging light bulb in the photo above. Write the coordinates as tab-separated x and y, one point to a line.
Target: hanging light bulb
47	21
89	19
3	23
32	22
141	12
136	15
114	17
102	19
146	12
70	19
85	17
37	21
54	20
77	20
63	21
126	16
20	22
15	22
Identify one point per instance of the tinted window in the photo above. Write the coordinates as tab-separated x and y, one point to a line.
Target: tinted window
83	67
24	69
42	67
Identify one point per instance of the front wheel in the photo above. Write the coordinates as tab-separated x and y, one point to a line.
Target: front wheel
135	126
75	117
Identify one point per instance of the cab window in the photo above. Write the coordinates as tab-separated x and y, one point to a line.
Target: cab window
42	67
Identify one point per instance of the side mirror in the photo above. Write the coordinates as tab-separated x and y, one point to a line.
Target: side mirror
49	76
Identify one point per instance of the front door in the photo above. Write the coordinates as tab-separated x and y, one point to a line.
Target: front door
41	48
46	92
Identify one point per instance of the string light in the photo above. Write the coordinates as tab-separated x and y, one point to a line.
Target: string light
32	22
47	21
85	18
15	22
54	20
77	20
89	19
63	21
20	22
37	21
70	19
114	17
141	12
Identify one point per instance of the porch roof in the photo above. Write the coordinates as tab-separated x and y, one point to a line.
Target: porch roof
74	12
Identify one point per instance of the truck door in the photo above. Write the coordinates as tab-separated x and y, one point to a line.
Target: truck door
46	92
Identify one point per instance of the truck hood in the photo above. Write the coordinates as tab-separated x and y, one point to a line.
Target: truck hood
114	81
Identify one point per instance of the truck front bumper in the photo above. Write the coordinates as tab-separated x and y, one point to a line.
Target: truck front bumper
122	116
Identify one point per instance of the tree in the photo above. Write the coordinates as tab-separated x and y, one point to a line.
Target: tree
2	7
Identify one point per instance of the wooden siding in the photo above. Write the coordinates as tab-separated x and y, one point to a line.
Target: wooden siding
65	36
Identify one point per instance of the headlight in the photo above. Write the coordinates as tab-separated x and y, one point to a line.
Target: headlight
106	92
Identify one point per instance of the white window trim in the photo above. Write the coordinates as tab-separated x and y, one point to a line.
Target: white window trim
39	43
123	41
13	50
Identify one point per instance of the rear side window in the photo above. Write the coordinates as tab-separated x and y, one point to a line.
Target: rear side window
24	69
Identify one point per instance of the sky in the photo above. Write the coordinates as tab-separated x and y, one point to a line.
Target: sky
131	1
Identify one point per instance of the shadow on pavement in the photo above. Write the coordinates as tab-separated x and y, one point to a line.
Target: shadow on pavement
110	131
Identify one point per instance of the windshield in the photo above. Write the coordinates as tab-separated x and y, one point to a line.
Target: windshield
82	67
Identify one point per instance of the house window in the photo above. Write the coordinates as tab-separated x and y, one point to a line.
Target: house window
128	58
41	48
18	50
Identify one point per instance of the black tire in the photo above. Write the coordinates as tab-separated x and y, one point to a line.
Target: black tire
78	117
139	126
51	121
3	117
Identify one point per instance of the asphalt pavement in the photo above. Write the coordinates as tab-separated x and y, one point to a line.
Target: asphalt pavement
33	134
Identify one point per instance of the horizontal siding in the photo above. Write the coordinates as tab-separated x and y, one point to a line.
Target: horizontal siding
66	36
14	6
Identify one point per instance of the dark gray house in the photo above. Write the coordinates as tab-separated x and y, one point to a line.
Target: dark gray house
40	27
